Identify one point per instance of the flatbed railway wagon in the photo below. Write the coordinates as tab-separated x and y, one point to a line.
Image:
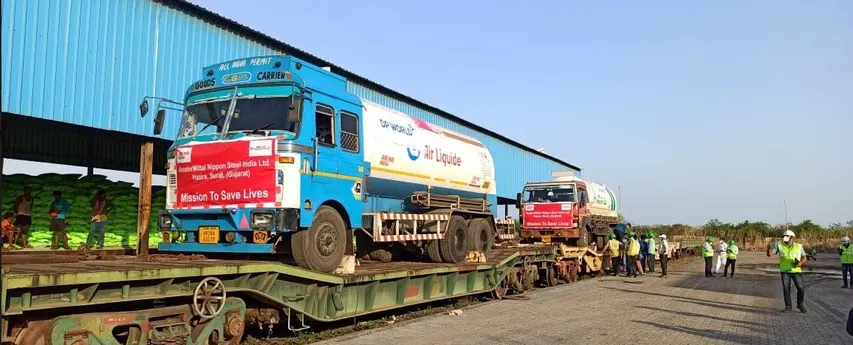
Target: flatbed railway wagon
168	299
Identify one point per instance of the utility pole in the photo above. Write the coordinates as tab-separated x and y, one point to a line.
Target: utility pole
146	167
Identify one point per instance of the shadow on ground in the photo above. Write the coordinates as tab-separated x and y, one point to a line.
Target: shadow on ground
705	303
707	334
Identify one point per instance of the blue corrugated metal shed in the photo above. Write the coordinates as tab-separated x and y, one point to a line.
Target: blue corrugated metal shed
89	62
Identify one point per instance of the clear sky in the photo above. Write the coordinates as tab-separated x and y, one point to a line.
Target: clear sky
696	109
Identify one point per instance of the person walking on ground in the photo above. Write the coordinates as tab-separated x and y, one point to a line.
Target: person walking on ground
633	252
613	248
791	260
845	250
708	255
731	259
721	256
100	207
652	250
59	209
23	220
663	251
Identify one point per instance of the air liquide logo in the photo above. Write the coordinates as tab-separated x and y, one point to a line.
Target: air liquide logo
414	153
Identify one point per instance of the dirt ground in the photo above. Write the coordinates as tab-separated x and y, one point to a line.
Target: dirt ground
685	308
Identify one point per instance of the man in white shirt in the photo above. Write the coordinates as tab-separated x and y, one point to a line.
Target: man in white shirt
721	255
663	251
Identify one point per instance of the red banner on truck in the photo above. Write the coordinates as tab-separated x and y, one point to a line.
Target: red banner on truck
225	173
548	216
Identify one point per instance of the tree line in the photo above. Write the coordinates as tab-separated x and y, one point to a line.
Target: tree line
756	234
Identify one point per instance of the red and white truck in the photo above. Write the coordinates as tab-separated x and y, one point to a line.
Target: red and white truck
567	209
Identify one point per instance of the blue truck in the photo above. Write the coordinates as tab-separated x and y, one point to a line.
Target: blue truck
275	156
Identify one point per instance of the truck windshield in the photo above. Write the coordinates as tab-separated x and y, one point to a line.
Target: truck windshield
561	193
249	114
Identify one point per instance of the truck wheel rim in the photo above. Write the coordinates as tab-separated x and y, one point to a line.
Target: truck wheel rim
484	241
326	240
459	237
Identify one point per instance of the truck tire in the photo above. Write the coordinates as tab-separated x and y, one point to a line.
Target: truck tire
583	236
454	246
433	252
432	248
297	248
379	254
480	237
325	240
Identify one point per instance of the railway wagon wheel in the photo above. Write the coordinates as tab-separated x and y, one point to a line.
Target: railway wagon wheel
500	291
551	276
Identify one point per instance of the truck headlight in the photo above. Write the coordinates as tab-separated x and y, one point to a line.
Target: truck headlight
262	220
165	222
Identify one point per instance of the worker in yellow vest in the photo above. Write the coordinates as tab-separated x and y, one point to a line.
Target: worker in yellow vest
731	259
791	260
845	250
708	255
613	248
633	253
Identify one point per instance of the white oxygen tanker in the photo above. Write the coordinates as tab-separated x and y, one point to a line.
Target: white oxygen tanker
409	156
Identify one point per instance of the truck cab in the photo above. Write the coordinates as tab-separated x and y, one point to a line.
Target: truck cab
566	209
266	145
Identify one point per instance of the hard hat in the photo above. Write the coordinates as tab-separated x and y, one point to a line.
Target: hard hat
710	238
612	236
663	236
789	233
845	239
731	242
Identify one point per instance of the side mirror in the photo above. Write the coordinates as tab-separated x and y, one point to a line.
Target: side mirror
518	201
143	108
294	114
158	121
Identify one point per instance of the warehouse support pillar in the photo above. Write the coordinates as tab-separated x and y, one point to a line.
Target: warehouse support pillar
143	219
1	162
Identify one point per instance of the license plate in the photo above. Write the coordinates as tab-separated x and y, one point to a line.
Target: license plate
208	234
546	239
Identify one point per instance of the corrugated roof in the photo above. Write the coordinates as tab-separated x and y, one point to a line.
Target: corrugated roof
227	23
